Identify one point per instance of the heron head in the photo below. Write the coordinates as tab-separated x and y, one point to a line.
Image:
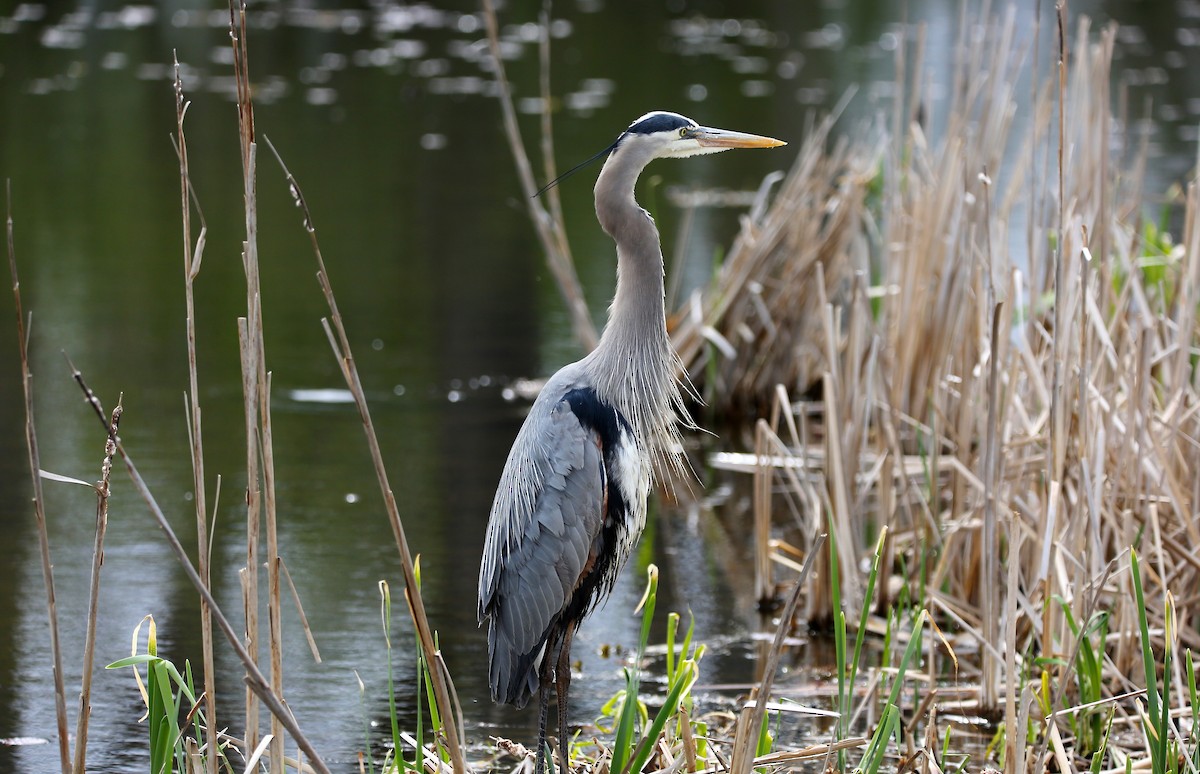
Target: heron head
663	135
672	136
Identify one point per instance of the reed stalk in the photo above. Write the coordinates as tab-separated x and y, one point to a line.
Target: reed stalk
549	224
257	394
192	259
1015	421
255	680
751	717
103	491
339	342
39	502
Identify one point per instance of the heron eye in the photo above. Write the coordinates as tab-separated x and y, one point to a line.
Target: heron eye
683	132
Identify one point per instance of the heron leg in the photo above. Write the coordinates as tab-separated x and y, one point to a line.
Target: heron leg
563	686
543	711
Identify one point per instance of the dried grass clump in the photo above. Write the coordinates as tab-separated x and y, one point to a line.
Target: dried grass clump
1018	416
759	324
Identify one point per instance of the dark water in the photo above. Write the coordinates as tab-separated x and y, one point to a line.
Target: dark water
386	116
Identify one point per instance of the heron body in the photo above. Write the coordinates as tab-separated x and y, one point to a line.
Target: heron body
571	503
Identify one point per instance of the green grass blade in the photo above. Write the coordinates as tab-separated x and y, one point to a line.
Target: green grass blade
877	748
161	756
1169	761
839	647
141	658
648	602
672	625
1155	717
385	615
1189	668
1098	757
872	578
839	636
914	645
156	718
366	724
628	721
1144	629
764	737
623	740
686	678
168	737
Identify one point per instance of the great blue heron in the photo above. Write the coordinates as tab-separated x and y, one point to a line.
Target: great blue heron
571	502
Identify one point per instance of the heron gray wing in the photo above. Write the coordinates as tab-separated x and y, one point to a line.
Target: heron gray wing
545	519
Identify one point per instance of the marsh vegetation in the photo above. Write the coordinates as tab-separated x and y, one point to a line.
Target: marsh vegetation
965	362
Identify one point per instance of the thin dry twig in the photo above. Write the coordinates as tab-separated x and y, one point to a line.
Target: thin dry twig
103	490
752	714
550	228
39	502
192	259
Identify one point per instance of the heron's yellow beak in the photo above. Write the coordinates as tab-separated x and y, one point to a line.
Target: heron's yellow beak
708	137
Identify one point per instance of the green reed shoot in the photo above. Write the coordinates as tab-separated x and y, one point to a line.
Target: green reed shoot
627	723
436	727
686	677
1102	749
362	708
1189	670
1088	725
164	692
635	732
963	758
839	642
765	740
889	722
424	693
865	611
846	679
385	594
688	657
885	651
1156	719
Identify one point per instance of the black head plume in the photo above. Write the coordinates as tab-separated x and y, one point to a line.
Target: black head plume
577	167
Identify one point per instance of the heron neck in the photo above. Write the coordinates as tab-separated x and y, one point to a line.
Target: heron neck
634	363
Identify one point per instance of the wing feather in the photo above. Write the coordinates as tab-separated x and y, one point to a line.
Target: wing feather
546	516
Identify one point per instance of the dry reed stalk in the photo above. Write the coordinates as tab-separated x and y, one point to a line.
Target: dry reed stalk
1056	458
751	717
254	678
249	573
550	227
257	385
764	476
39	502
339	342
103	490
989	541
1021	448
755	307
192	259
